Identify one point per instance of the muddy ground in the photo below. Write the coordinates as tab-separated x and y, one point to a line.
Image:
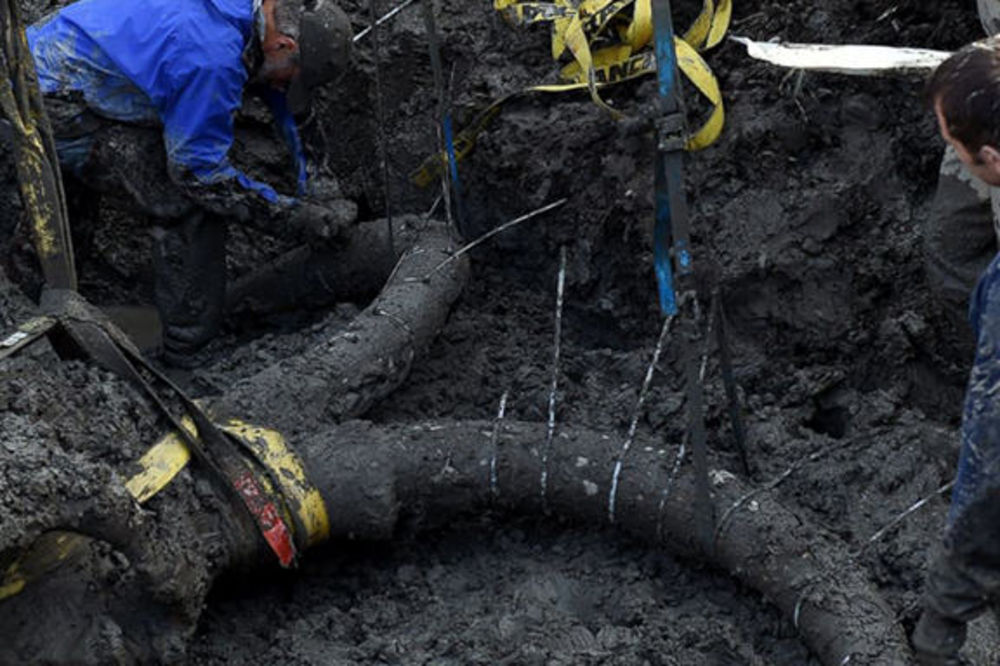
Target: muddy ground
807	215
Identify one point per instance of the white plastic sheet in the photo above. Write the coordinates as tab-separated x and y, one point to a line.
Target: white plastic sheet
855	59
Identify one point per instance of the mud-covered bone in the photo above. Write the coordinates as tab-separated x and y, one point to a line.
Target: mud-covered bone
377	478
343	376
352	269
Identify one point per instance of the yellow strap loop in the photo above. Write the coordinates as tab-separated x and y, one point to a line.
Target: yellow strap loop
576	28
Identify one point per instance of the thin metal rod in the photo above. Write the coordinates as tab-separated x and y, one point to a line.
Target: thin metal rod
493	232
643	392
361	35
903	516
380	111
495	441
554	384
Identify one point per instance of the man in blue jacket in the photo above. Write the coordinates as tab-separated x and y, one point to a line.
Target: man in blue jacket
142	97
964	580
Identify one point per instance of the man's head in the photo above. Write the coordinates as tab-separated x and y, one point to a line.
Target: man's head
965	93
278	33
304	45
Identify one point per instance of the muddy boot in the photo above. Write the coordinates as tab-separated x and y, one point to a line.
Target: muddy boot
937	640
189	260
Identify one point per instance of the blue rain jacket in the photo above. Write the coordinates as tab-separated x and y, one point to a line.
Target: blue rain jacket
979	459
178	63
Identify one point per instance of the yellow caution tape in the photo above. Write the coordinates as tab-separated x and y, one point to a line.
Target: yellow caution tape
609	45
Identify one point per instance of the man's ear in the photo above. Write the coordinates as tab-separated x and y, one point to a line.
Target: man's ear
990	156
282	43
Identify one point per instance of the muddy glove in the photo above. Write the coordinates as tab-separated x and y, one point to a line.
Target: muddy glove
937	640
316	223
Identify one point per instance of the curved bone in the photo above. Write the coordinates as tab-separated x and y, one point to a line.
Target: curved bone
343	376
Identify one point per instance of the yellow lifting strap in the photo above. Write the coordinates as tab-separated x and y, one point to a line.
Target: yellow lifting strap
610	42
168	456
284	478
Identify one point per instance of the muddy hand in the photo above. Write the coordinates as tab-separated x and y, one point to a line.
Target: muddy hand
318	223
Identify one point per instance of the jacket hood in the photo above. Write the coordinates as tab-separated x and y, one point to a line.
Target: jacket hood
239	12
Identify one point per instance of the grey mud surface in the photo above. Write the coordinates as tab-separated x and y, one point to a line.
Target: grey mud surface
808	216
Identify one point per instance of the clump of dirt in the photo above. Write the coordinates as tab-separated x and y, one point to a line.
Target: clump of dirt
807	217
482	593
66	454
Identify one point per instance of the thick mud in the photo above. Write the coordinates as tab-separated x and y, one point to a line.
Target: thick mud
807	217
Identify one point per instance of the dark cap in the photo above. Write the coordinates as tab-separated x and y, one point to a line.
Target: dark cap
325	50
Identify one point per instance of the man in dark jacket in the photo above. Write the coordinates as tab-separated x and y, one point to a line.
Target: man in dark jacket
964	580
142	97
960	237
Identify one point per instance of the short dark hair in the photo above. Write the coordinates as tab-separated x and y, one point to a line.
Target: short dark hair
967	85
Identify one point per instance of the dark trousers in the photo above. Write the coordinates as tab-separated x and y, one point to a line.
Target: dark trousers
128	164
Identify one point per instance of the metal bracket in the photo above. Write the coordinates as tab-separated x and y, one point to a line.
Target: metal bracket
671	131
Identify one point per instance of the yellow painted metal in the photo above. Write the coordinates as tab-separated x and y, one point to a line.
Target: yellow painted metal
286	468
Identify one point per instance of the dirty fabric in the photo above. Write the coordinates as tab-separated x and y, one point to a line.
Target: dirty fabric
979	461
965	578
959	237
190	267
175	64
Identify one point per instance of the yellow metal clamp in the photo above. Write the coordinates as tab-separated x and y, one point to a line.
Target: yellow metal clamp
286	469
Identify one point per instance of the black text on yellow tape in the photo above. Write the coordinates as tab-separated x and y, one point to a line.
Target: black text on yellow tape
624	29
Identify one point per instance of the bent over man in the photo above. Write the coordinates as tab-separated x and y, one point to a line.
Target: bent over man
142	97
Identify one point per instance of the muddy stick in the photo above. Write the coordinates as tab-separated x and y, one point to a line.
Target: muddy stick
375	478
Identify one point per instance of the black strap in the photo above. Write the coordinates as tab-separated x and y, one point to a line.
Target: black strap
672	252
704	509
732	395
26	333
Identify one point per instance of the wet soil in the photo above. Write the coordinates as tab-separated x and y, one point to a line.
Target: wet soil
807	217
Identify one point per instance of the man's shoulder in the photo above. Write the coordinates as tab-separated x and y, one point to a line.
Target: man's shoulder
198	24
